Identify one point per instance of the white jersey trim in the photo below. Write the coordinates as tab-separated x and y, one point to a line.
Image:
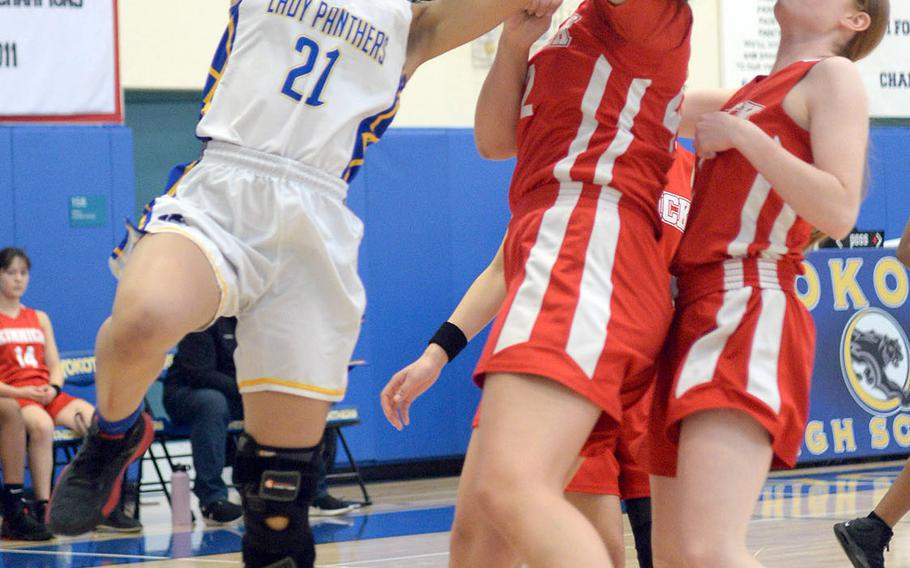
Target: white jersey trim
525	308
700	363
765	354
603	173
588	334
748	224
594	93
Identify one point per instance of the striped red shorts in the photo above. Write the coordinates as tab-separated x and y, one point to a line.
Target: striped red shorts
749	349
587	302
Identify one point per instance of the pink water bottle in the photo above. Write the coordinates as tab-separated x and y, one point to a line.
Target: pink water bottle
181	516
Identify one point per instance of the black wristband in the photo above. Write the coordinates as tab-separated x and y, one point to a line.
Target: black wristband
56	388
450	337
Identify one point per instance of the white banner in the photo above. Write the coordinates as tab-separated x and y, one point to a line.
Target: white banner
58	60
749	38
887	70
750	35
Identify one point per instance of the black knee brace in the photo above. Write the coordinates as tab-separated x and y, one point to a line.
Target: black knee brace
276	482
639	511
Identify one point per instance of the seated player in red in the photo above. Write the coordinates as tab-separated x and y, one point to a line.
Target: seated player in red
30	364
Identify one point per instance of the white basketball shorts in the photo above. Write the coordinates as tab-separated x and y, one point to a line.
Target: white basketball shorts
283	246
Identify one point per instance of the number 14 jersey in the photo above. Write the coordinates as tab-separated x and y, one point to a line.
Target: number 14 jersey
21	347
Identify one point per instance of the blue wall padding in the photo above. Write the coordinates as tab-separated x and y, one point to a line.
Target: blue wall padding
887	205
44	167
7	209
434	212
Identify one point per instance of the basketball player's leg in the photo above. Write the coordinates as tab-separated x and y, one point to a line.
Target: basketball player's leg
724	457
168	289
896	502
17	524
666	542
12	442
293	351
76	415
534	429
40	428
276	472
605	513
594	489
474	540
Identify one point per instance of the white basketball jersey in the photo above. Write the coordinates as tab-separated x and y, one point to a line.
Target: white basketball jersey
311	80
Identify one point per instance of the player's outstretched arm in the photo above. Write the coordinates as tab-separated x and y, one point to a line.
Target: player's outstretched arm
903	248
499	106
478	306
441	25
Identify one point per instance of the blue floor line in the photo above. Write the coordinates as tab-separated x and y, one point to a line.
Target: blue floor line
129	550
136	549
836	475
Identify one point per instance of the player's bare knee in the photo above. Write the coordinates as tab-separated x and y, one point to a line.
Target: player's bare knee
497	498
277	523
707	552
40	428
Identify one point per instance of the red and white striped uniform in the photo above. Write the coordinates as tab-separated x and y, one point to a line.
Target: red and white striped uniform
22	347
741	338
22	361
588	293
619	472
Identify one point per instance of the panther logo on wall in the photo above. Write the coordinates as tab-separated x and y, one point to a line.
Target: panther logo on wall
875	360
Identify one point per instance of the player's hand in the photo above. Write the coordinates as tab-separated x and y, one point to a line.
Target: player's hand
409	383
542	8
525	27
32	392
49	393
716	132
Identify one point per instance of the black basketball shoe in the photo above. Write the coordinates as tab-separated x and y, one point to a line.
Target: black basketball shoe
89	487
18	524
864	540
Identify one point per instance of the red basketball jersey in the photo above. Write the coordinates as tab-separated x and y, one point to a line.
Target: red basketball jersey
601	102
22	347
736	214
675	202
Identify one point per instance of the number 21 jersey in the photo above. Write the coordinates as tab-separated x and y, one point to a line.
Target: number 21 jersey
315	81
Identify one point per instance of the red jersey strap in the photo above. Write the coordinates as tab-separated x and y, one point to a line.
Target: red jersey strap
776	85
659	25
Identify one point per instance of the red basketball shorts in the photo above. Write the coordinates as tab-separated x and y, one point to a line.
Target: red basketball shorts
53	408
588	301
748	349
618	472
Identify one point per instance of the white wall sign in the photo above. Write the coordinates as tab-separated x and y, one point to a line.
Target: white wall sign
749	41
750	36
887	70
58	60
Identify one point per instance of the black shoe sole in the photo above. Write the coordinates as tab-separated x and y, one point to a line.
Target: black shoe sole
120	530
854	553
26	537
